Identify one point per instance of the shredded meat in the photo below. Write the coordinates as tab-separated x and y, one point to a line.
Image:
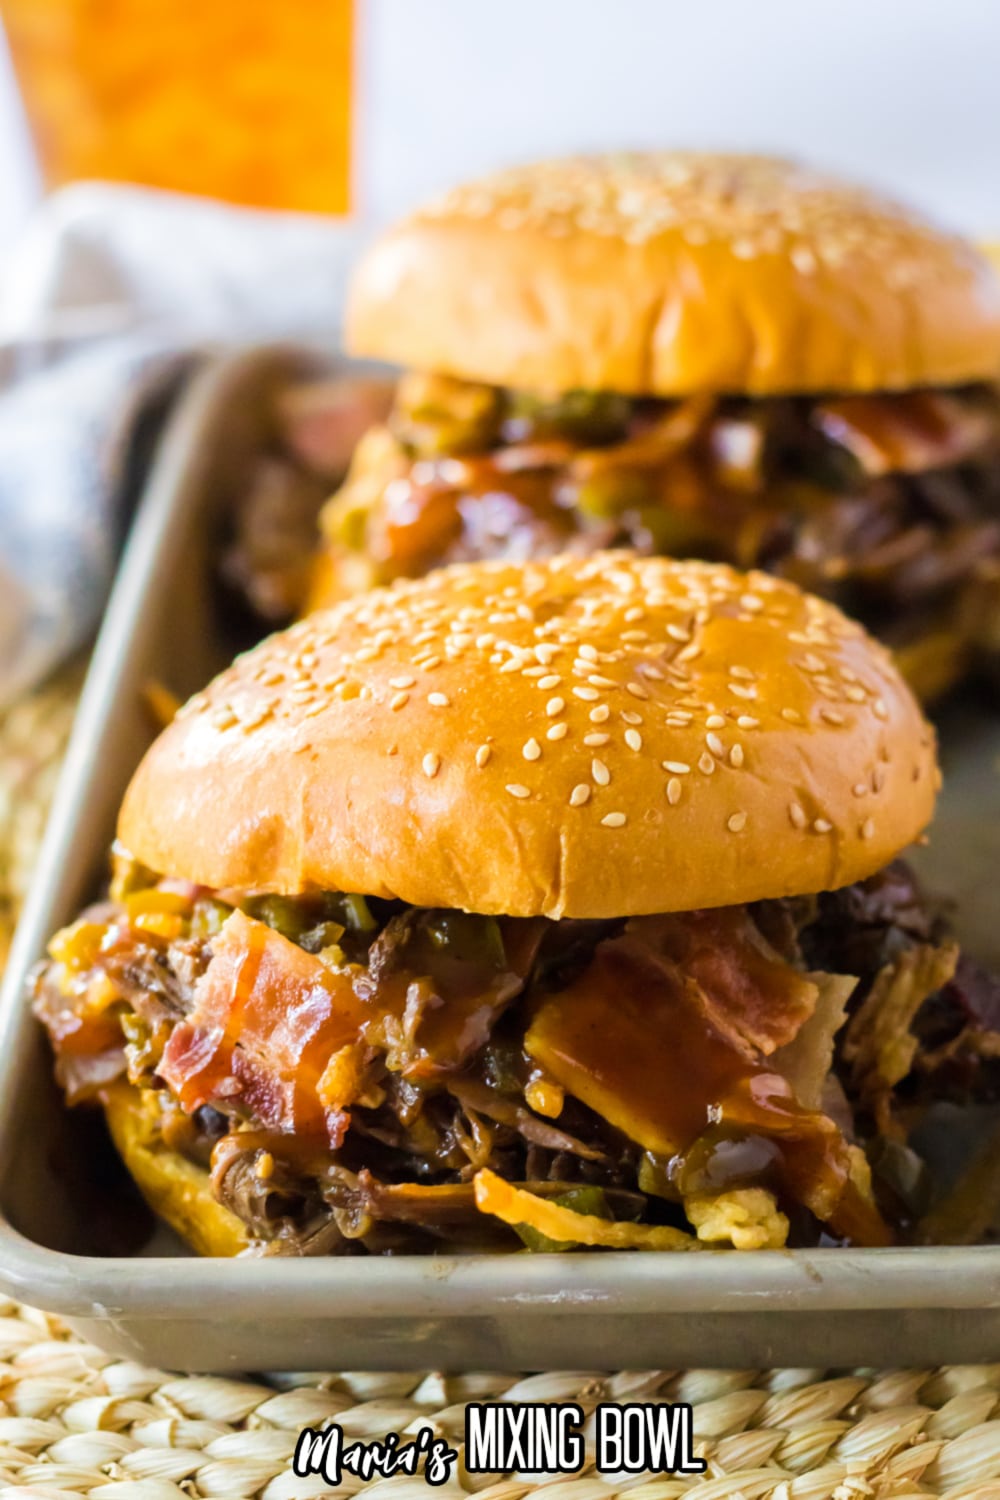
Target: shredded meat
889	504
360	1076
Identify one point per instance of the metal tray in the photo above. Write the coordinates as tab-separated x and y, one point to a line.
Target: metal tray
63	1212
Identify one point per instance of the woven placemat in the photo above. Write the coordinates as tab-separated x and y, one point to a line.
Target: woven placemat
33	737
76	1422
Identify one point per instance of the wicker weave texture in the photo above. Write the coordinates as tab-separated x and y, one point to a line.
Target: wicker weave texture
33	737
75	1422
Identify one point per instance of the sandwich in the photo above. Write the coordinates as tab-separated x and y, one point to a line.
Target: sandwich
551	905
723	357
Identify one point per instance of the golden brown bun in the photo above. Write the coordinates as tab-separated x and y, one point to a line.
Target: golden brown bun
670	273
174	1187
388	747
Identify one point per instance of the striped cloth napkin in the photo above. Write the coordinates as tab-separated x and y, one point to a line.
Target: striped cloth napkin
105	309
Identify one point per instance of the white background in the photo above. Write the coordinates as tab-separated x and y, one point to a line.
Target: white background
901	92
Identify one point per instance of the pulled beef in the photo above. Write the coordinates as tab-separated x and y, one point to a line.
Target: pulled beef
343	1141
888	504
862	927
271	529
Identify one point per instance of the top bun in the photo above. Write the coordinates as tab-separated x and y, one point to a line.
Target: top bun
574	738
673	273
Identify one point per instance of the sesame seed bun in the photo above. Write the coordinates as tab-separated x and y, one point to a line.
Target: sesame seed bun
671	273
572	738
175	1188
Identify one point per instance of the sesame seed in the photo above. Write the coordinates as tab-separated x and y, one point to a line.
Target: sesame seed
630	718
855	694
673	791
867	828
613	820
517	790
860	789
579	795
439	700
555	706
482	755
812	663
636	689
595	740
832	715
715	721
678	633
736	756
633	739
751	602
531	749
589	653
879	709
791	715
601	682
431	764
706	764
600	715
548	683
822	825
797	816
588	694
742	672
402	682
739	690
600	772
678	767
736	822
715	744
400	700
746	722
512	664
558	731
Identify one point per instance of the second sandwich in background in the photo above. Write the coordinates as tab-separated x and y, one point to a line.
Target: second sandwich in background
707	356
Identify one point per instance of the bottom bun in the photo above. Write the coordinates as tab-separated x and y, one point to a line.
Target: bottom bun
176	1189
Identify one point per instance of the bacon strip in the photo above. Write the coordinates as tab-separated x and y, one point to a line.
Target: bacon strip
646	1045
266	1020
905	433
750	994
